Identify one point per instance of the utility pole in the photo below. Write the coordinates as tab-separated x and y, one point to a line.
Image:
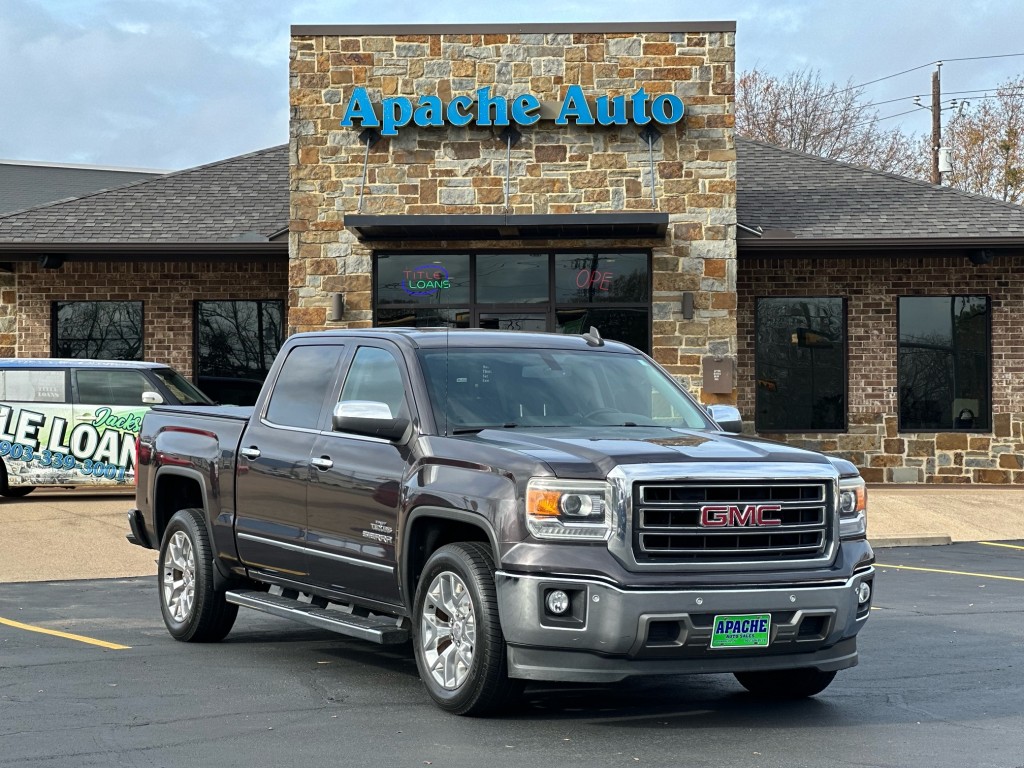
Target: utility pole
936	124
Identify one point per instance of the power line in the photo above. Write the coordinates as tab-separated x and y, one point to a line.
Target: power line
979	58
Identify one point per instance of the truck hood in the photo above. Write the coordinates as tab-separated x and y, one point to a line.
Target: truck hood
589	452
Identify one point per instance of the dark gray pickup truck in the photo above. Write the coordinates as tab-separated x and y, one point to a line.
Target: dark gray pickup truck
519	506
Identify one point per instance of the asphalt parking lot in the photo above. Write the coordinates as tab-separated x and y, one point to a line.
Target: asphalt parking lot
940	684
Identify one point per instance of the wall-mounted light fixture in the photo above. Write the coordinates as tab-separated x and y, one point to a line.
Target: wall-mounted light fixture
337	310
687	305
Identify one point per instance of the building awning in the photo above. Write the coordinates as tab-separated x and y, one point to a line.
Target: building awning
575	226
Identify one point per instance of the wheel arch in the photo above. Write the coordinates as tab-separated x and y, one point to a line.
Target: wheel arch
174	489
427	529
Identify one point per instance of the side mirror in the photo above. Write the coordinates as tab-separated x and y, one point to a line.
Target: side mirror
151	398
368	418
727	417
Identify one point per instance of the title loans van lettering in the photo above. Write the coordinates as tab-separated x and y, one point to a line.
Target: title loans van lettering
637	108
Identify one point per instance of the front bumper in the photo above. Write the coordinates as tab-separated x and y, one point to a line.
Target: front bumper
612	633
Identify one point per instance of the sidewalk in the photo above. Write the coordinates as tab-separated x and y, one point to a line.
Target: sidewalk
55	535
919	515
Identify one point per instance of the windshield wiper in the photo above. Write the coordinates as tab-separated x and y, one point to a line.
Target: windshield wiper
474	430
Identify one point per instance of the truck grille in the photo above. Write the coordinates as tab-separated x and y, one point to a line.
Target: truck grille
667	521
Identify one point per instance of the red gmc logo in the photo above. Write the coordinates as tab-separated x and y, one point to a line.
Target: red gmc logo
729	515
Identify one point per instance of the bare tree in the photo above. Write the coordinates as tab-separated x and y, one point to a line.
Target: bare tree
986	143
800	111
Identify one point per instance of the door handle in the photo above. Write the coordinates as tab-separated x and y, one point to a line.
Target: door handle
250	453
323	463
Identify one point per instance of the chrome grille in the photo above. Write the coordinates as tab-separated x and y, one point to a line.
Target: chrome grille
667	521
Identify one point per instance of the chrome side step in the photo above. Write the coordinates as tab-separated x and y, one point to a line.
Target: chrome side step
374	629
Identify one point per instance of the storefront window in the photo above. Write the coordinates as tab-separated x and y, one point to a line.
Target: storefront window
236	342
944	363
422	280
587	278
801	365
512	278
518	291
98	330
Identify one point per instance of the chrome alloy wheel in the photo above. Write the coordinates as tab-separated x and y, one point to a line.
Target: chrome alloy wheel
179	578
448	630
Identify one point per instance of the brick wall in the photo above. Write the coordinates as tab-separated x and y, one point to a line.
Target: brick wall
554	170
168	291
872	286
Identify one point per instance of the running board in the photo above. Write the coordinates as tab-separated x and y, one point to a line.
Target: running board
374	629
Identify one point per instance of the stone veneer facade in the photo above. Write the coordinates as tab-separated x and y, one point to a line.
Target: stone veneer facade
554	170
872	286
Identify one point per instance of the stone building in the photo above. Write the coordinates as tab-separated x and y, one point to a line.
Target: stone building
542	226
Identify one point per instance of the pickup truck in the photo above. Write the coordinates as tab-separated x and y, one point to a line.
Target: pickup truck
519	506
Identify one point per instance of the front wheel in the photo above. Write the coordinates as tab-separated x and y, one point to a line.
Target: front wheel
460	649
786	683
194	610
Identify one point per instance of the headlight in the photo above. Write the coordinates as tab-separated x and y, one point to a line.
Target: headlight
853	509
567	509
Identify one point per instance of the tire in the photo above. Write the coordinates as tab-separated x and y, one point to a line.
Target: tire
468	674
16	491
12	491
194	610
786	683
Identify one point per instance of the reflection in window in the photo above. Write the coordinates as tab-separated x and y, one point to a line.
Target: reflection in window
107	387
944	363
417	279
237	342
619	324
586	278
517	278
98	330
801	364
428	317
299	392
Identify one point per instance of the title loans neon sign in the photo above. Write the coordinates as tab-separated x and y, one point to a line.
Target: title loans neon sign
426	280
429	111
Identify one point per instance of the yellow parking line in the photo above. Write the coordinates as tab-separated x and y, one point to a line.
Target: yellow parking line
955	573
66	635
997	544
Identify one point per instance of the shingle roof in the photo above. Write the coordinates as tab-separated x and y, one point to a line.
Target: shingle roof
23	185
820	199
223	202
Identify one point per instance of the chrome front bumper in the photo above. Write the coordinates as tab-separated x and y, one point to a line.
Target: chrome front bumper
612	633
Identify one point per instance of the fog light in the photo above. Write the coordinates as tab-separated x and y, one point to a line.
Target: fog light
557	602
863	592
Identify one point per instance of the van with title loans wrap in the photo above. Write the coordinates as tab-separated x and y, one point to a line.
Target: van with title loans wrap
74	422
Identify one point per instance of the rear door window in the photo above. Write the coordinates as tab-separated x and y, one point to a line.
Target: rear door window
111	387
302	386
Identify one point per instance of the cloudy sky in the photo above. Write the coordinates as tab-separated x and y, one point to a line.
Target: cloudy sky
175	83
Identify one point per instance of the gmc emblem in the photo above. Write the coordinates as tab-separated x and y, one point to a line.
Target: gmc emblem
729	515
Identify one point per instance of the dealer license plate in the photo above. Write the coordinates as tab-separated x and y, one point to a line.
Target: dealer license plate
746	631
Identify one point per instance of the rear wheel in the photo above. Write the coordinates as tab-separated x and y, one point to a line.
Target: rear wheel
12	491
193	609
16	491
786	683
460	650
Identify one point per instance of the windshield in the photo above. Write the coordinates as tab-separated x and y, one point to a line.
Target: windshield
471	389
182	388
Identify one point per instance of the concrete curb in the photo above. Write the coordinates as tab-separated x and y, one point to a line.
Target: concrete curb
909	541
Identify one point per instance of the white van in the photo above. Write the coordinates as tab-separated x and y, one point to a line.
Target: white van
74	422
